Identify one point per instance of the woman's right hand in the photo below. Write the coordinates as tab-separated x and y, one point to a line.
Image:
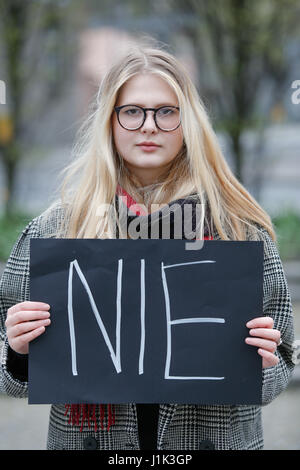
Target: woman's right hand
26	321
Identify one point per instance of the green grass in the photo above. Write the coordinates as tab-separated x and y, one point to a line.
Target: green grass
287	227
10	229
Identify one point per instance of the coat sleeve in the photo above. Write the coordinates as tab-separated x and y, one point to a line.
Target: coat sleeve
14	288
277	304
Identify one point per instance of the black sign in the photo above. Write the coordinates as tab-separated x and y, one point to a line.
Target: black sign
146	321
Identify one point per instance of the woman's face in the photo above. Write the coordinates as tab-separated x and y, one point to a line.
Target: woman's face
147	164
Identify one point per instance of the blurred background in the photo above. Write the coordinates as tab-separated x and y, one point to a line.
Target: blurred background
244	57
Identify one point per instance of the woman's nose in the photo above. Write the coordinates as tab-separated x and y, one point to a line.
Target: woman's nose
149	123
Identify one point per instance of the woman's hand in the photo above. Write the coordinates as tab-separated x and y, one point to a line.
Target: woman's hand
266	338
26	321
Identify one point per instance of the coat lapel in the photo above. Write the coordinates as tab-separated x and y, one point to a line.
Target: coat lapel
166	413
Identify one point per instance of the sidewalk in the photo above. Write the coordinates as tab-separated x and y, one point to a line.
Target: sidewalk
25	427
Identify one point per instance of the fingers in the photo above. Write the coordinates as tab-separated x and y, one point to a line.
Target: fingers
27	305
263	328
24	327
265	338
25	316
20	343
271	334
261	322
269	359
262	343
25	321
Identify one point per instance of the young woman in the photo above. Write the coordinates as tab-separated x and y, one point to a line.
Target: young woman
149	141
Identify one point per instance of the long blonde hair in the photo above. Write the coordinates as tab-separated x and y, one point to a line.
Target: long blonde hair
200	168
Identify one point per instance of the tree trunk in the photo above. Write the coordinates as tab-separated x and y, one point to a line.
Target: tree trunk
10	155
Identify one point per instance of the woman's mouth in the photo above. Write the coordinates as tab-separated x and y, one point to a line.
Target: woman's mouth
148	146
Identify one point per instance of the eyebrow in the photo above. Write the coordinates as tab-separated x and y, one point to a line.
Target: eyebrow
159	105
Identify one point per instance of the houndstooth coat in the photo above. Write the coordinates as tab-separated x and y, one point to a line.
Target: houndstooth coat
180	427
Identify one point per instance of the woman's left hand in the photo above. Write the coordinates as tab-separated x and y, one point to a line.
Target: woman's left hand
266	338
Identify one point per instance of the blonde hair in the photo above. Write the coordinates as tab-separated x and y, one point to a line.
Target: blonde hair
200	168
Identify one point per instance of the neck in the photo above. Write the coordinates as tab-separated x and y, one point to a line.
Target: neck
141	177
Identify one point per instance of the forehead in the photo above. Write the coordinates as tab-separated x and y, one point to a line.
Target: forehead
147	89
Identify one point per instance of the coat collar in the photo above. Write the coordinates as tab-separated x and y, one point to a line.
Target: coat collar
133	210
136	209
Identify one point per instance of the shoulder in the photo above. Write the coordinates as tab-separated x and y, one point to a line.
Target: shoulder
274	274
47	224
270	245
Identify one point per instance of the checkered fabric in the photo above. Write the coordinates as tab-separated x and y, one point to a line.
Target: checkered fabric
180	427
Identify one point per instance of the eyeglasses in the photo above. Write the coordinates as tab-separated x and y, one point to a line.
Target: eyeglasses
132	117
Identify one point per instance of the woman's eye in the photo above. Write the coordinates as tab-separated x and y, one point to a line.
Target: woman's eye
166	111
133	112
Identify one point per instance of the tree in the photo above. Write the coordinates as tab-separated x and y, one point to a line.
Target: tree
244	44
21	22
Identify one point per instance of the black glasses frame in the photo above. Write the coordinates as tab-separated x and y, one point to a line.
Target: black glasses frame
155	110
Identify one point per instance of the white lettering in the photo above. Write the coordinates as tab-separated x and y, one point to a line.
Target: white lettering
116	355
2	92
181	321
296	95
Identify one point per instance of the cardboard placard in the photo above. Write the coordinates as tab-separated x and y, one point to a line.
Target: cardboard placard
146	321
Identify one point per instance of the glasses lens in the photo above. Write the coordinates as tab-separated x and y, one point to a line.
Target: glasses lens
131	117
168	118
